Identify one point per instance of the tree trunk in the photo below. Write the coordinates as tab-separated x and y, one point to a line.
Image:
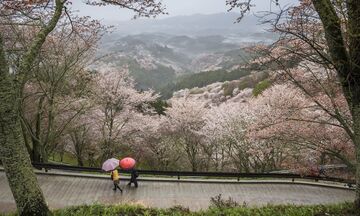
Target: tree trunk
62	156
194	166
356	120
353	79
13	154
357	197
16	161
36	151
36	141
347	63
26	139
80	161
22	180
44	154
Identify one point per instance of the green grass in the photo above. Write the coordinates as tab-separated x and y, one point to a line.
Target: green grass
68	159
286	210
345	209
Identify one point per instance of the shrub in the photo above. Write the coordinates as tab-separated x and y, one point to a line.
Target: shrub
260	87
219	207
228	88
196	90
220	203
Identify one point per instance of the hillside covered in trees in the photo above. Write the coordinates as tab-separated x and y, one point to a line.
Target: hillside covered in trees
71	93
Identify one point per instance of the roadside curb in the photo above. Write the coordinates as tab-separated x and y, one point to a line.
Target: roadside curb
200	181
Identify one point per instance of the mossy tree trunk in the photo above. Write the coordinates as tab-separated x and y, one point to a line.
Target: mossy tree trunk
14	156
346	60
356	111
351	82
13	153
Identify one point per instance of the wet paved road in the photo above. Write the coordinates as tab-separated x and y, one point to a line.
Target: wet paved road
61	191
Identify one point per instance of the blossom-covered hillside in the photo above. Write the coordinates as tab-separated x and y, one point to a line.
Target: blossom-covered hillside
236	91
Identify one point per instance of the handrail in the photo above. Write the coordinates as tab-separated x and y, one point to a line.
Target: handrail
48	166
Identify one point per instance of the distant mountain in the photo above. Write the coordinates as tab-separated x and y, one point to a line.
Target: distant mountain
158	51
184	54
155	60
248	30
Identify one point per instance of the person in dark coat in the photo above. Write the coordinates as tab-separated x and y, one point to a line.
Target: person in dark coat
133	178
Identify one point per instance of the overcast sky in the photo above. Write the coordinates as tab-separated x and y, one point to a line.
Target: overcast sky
174	7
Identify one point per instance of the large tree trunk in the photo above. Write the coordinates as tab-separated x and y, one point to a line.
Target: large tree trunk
22	180
356	121
346	60
357	198
353	83
14	156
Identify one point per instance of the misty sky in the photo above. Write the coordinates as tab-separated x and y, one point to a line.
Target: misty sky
174	7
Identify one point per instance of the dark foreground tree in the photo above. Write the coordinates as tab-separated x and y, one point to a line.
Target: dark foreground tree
14	157
340	21
44	16
346	60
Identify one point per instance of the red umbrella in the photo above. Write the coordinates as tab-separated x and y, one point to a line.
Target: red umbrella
127	163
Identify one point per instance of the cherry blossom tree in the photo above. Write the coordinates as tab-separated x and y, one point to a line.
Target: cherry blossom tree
16	161
60	81
227	129
187	118
327	33
117	102
45	16
152	142
287	115
82	137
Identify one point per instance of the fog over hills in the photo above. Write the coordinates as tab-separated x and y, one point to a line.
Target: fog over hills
248	30
158	51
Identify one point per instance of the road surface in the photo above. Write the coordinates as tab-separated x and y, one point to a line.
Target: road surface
66	190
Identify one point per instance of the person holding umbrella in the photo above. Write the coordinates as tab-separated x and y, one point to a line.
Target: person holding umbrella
116	179
111	165
128	163
133	178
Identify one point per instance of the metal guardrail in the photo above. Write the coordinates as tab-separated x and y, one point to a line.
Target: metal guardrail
180	174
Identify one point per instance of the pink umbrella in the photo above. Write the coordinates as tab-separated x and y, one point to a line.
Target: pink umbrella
127	163
110	164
